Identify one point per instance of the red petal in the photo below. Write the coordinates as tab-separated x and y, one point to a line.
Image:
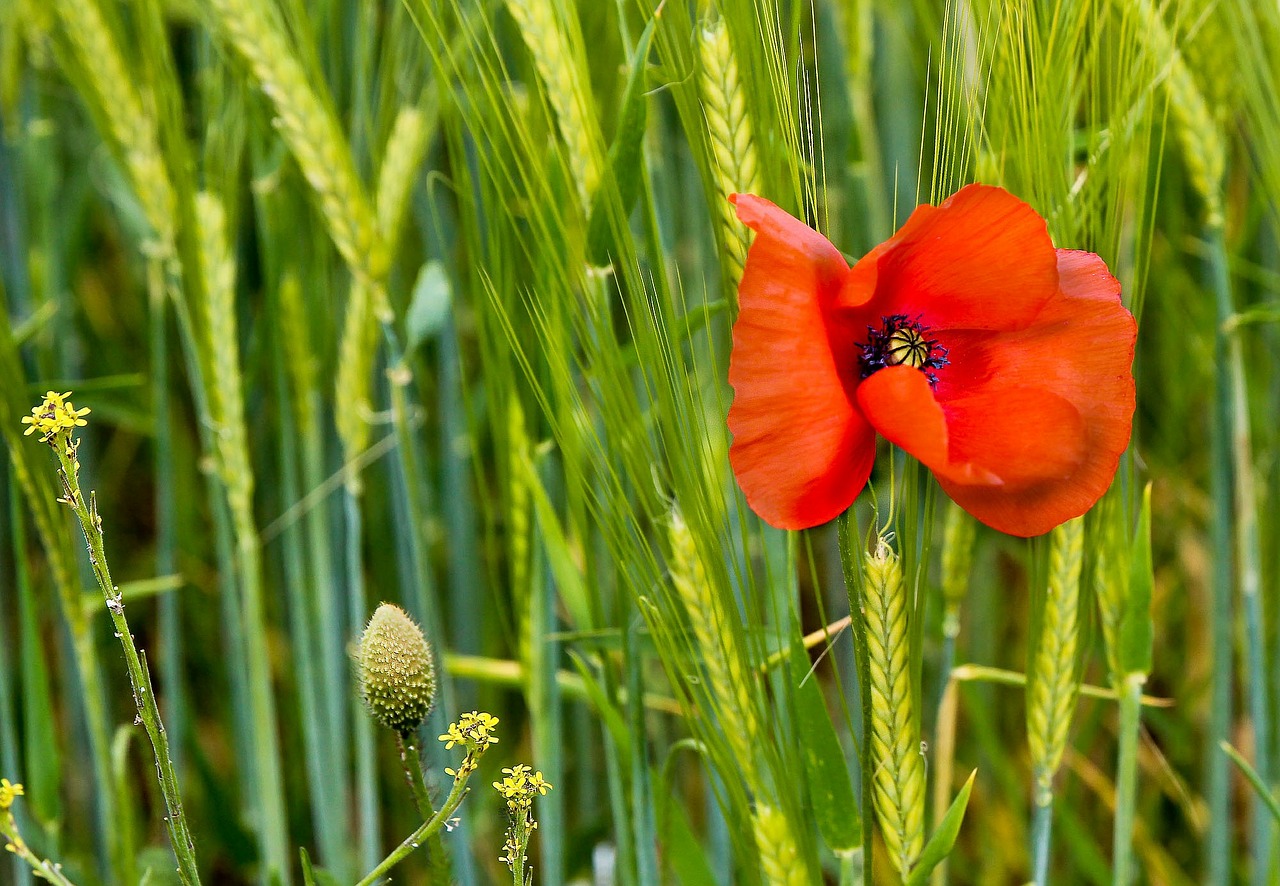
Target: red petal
801	451
1008	437
1025	429
981	260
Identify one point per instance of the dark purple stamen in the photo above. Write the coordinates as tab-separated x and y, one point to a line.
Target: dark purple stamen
902	342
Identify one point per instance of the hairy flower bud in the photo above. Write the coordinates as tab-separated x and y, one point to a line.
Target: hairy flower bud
397	674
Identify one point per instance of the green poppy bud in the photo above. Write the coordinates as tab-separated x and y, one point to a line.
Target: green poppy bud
397	674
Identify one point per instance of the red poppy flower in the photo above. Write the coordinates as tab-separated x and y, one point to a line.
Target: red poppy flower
1001	363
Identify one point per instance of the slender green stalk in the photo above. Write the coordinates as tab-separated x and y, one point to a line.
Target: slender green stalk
957	559
1222	621
1041	836
227	408
1235	410
42	867
853	587
361	727
944	756
412	765
1127	780
170	628
428	828
139	679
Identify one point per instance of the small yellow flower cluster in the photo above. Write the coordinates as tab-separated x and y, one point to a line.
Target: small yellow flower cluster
53	416
474	731
519	786
8	792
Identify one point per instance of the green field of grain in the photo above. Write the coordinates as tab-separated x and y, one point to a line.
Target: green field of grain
737	403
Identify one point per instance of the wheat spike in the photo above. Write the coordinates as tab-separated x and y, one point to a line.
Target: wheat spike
1051	680
555	46
780	862
1199	133
399	171
356	355
132	128
899	769
226	392
728	679
957	558
732	147
310	129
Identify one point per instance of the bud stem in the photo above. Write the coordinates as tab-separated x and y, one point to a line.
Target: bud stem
412	764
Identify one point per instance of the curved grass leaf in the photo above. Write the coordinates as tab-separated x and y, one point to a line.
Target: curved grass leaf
943	838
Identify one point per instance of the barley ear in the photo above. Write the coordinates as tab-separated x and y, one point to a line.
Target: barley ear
309	126
1052	679
226	387
733	149
780	861
1199	134
131	126
555	45
898	787
728	679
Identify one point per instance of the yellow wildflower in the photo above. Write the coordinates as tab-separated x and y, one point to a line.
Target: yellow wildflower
55	415
474	731
9	791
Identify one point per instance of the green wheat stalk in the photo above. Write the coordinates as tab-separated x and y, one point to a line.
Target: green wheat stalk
226	410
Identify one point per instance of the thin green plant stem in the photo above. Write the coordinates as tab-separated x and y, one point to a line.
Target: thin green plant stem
1247	554
42	867
9	679
139	679
1126	780
361	727
262	707
429	827
944	756
1041	838
546	708
1261	789
412	764
853	587
1222	619
227	408
170	630
327	810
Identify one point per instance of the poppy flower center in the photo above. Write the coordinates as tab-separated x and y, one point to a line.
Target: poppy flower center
902	342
